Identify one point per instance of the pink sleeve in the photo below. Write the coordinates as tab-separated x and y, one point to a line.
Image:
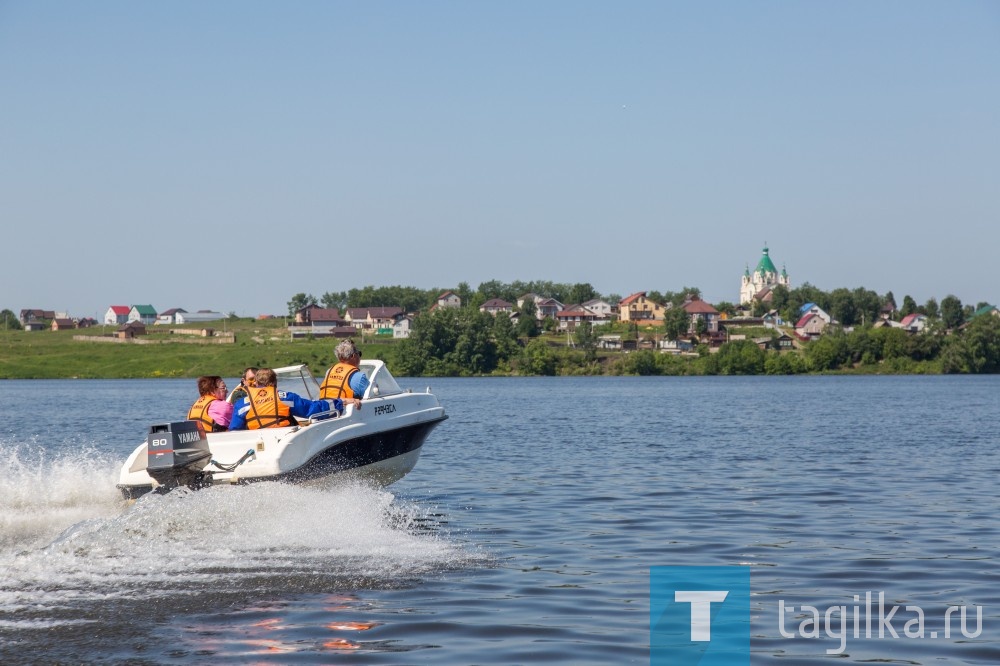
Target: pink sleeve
221	412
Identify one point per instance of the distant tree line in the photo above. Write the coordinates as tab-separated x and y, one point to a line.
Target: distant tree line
464	341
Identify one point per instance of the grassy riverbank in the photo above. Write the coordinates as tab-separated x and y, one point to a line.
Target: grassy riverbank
57	355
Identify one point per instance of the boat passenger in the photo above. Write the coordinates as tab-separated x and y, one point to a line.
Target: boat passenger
211	408
267	407
246	382
344	380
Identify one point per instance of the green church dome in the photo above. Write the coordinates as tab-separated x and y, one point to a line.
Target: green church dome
765	265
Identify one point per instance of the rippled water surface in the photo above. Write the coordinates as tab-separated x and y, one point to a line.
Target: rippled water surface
524	535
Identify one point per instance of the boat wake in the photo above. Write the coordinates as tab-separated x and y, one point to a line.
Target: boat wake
68	541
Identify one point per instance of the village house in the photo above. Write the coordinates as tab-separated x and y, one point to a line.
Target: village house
63	324
145	314
401	329
130	330
639	309
379	318
913	323
601	307
314	315
495	305
448	299
169	317
572	316
117	315
810	325
699	310
29	316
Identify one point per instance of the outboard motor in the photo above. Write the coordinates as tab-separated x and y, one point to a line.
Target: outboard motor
177	453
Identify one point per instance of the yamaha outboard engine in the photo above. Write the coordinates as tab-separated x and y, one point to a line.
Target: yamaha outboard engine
177	453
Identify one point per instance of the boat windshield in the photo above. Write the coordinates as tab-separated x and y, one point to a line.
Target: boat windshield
298	379
381	380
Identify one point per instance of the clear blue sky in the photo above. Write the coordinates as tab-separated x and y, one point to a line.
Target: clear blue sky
228	155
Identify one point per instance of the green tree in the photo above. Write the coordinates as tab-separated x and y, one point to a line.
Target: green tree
586	340
780	298
842	307
742	357
951	311
726	308
527	321
538	359
337	299
505	337
976	350
451	342
909	306
581	292
829	352
641	363
464	292
676	323
10	321
930	308
300	301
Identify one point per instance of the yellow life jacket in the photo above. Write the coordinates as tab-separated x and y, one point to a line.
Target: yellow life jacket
336	383
199	412
267	411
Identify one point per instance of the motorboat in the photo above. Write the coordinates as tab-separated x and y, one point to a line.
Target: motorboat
378	443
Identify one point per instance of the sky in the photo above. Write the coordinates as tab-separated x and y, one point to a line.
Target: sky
228	155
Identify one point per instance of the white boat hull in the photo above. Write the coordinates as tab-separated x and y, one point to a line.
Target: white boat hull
380	443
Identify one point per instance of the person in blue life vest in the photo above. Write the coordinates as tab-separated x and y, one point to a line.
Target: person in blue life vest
344	380
267	407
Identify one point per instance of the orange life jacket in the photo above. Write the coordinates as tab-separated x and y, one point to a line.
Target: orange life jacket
267	411
336	383
199	412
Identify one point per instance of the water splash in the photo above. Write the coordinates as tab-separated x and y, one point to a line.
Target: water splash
67	540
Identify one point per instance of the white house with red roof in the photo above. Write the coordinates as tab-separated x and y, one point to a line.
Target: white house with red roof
914	323
117	315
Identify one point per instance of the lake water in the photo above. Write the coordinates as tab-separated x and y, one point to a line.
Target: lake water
526	532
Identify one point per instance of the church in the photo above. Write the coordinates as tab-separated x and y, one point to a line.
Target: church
758	285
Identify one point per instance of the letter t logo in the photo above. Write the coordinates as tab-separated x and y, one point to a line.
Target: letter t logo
701	610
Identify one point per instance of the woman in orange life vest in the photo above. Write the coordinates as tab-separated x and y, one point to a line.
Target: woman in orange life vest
211	408
267	407
344	380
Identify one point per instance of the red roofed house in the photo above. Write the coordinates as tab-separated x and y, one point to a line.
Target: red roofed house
637	308
914	323
117	315
811	325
